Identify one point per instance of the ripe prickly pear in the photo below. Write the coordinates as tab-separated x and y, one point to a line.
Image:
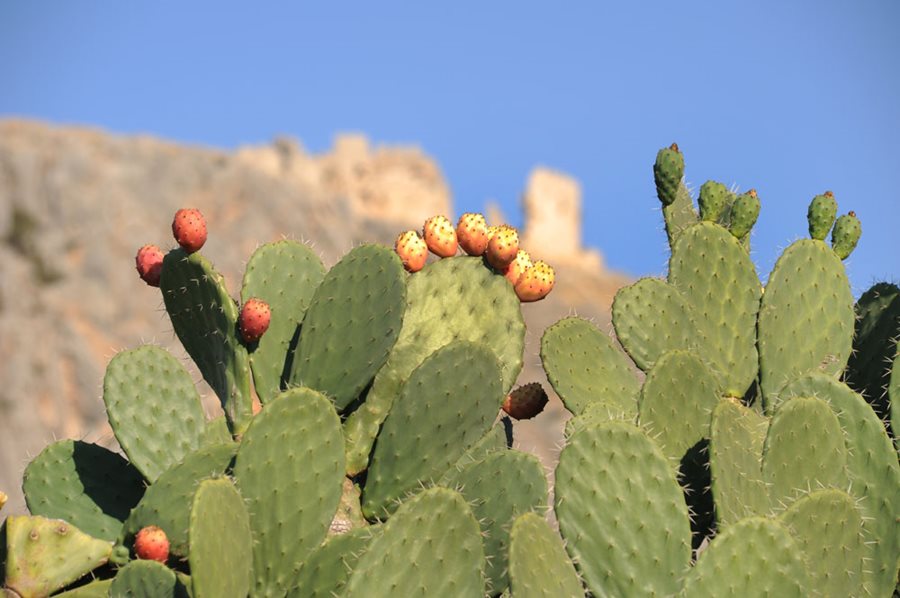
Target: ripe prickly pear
535	283
821	213
668	171
518	266
189	228
254	319
845	235
472	232
149	262
503	247
440	236
152	544
525	401
713	199
412	250
744	212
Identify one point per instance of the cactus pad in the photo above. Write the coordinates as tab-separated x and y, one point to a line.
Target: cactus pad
538	564
435	530
85	484
324	574
351	325
622	512
584	365
153	408
147	579
284	274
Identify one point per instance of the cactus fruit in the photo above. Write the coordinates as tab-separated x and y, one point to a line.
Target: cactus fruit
668	171
525	401
518	267
820	215
472	233
412	250
845	235
536	282
149	262
254	319
3	499
189	228
744	212
503	247
713	199
440	236
152	544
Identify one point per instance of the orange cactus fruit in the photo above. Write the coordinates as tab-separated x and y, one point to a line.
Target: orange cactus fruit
412	250
503	248
535	283
472	233
518	267
440	236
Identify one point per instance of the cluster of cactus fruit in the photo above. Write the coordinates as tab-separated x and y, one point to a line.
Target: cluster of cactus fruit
728	451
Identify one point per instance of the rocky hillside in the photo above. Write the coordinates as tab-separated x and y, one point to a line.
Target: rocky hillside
76	203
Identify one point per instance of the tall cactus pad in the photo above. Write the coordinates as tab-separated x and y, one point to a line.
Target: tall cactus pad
154	408
167	502
436	532
453	299
584	366
874	475
651	318
446	406
147	579
828	528
806	318
803	426
325	573
45	555
284	274
85	484
289	469
352	324
676	403
668	170
737	436
205	318
499	488
821	214
679	215
220	539
622	512
845	235
756	557
538	564
717	278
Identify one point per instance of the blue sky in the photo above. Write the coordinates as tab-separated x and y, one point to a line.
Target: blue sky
791	98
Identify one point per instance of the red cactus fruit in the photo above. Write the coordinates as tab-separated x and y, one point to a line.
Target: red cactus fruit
526	401
518	266
535	283
503	247
440	236
412	250
254	319
472	232
149	261
189	228
152	544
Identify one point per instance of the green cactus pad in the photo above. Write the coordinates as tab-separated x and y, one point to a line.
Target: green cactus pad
349	512
651	318
499	488
146	579
828	527
806	318
538	564
894	394
845	235
289	469
154	408
89	486
167	502
874	475
717	278
284	274
713	200
622	512
450	300
820	215
205	317
445	407
803	426
875	345
676	403
737	436
95	589
744	212
679	215
755	557
220	540
45	555
584	365
325	573
437	532
352	324
668	170
216	432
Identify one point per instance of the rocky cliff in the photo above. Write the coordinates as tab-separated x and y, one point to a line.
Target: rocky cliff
76	203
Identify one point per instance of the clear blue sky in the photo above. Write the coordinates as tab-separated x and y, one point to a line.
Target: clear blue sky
791	98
